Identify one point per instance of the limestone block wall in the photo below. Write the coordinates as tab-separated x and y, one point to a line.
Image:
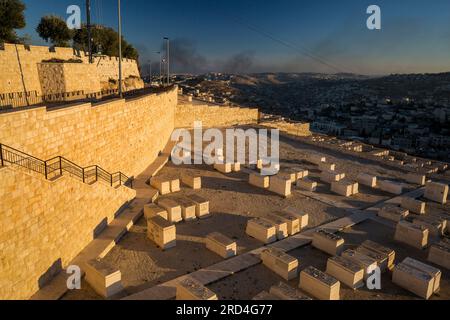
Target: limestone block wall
300	129
19	66
108	68
44	225
81	77
119	135
68	77
17	61
51	77
213	116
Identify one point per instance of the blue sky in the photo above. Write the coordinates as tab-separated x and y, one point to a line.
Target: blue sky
219	35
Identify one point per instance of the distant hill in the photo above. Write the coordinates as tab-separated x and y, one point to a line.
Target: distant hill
394	86
283	78
412	85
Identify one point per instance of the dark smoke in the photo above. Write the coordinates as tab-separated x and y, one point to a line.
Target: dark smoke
184	57
239	63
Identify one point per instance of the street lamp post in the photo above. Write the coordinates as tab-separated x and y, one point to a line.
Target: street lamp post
150	71
89	34
120	50
160	66
168	59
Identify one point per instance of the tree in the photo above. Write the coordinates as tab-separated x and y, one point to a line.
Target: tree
104	40
130	52
55	30
11	17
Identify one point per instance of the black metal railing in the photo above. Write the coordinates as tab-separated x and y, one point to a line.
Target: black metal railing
59	166
16	157
31	98
19	99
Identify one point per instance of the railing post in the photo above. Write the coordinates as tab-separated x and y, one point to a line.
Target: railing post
1	155
45	170
96	174
60	166
111	180
84	180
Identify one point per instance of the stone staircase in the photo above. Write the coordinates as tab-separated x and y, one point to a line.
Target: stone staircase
58	166
111	235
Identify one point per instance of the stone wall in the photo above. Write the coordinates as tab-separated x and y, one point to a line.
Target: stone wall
108	68
119	135
68	77
51	78
213	116
295	128
44	225
19	66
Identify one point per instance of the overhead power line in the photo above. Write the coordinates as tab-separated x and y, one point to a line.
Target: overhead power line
299	49
99	13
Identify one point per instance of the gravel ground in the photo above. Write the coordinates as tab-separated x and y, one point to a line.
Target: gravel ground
233	202
247	284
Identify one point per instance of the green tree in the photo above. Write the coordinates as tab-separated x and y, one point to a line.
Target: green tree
104	40
11	17
55	30
130	52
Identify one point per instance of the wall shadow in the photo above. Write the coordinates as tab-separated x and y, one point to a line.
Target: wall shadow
189	255
100	228
51	272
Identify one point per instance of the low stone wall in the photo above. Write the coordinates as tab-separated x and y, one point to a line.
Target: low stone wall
20	70
214	116
108	68
44	225
299	129
119	135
